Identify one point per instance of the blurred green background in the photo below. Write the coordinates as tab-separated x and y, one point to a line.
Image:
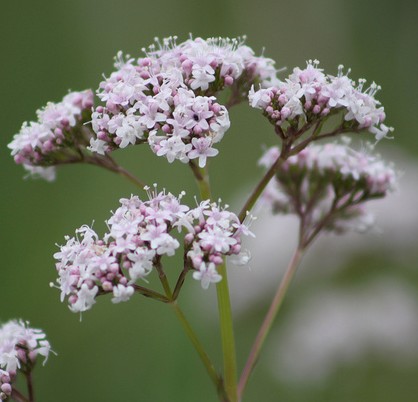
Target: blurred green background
136	351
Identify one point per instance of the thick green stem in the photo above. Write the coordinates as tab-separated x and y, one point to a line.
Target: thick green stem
269	319
227	334
224	304
202	179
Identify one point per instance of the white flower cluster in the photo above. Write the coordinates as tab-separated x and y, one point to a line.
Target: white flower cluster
311	95
139	236
167	98
331	178
19	347
58	130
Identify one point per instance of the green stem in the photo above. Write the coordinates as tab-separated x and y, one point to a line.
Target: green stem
202	179
163	279
227	334
255	195
216	379
268	320
109	163
150	293
224	304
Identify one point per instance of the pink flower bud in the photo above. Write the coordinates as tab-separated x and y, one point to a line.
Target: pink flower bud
316	109
188	238
6	388
197	130
107	286
229	80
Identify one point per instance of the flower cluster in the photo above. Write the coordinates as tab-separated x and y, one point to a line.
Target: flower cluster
167	98
216	233
327	185
139	236
20	346
310	95
56	136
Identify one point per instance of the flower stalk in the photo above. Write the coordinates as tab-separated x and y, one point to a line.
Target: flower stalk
269	319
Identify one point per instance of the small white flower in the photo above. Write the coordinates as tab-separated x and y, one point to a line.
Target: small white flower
122	293
207	274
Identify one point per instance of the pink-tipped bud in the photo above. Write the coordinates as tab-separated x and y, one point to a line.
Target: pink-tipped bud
197	130
235	249
216	259
187	66
19	159
197	261
282	99
285	113
229	80
32	355
5	378
166	128
21	355
316	109
107	286
101	135
144	75
6	388
146	61
216	108
188	238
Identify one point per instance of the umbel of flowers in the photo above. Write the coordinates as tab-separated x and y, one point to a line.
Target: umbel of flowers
327	185
20	346
140	235
58	136
308	96
167	97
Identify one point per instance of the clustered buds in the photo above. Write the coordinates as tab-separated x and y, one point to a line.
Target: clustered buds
326	185
139	236
166	99
309	95
20	346
57	136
